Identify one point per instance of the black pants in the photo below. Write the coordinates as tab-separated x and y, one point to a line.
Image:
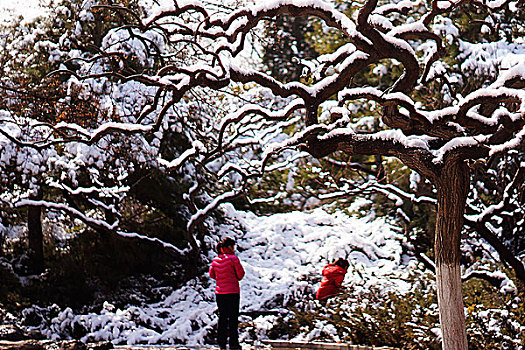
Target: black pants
228	305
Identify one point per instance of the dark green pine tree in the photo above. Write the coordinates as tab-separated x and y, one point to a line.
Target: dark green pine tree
286	45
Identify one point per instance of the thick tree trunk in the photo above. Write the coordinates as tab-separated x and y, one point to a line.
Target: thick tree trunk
35	236
452	187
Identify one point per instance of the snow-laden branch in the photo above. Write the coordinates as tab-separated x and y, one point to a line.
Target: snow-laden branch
497	208
98	224
513	143
104	191
505	254
460	145
494	278
202	214
73	132
382	142
173	165
166	245
102	130
288	163
248	109
385	99
390	191
400	7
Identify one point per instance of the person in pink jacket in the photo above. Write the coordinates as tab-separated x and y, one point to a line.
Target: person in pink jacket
227	271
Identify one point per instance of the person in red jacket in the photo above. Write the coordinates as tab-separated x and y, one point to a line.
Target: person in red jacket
333	275
227	271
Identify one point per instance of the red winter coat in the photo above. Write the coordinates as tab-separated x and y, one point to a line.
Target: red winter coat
333	276
227	270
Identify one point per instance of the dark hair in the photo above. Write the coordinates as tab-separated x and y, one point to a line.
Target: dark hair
218	247
225	242
342	263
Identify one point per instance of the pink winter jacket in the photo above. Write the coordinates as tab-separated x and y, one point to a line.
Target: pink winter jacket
227	270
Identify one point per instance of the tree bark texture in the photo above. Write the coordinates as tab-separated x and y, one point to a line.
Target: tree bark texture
35	236
452	187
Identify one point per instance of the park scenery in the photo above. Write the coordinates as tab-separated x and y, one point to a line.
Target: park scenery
250	174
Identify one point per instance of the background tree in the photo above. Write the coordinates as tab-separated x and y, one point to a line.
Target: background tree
51	161
287	45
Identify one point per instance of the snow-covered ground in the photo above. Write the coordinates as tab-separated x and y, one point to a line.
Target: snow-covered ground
280	254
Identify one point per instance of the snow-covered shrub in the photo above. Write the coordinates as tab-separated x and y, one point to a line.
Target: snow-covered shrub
403	318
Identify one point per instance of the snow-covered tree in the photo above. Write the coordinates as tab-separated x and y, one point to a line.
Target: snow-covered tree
52	156
396	64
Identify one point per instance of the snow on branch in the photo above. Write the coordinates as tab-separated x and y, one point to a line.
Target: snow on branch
237	24
389	190
297	139
322	9
105	191
230	167
170	73
34	137
513	77
389	138
173	165
91	193
88	137
519	179
467	115
349	189
513	143
166	245
497	279
76	133
96	224
248	109
400	7
245	75
460	144
202	214
497	4
288	163
385	99
498	95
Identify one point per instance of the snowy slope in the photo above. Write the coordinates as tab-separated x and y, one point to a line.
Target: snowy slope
279	253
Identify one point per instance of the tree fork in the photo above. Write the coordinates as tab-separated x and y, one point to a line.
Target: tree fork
452	190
